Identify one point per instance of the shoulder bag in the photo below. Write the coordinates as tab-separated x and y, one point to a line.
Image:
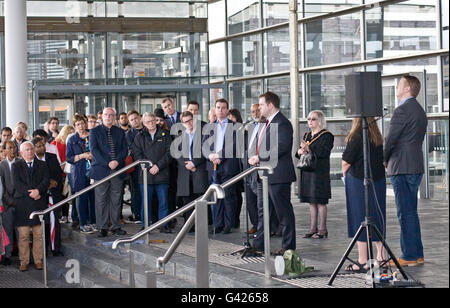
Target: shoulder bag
308	161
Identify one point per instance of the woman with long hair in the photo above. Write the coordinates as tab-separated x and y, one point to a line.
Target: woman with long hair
353	172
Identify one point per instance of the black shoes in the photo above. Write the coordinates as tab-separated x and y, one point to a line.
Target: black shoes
226	231
216	230
5	261
118	232
165	230
103	233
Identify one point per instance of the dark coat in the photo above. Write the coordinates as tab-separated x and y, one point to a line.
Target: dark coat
24	181
316	185
228	167
76	146
284	171
403	148
157	151
199	178
8	185
169	121
55	173
98	140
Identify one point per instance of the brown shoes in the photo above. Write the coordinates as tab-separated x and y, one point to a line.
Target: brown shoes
251	231
404	263
23	267
39	266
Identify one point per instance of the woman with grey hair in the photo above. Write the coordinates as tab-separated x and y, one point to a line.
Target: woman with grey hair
315	186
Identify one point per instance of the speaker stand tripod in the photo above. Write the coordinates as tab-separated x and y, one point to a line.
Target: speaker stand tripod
248	250
368	225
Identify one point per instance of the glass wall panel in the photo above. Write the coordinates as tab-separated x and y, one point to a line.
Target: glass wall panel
333	40
438	158
244	56
148	9
445	82
216	20
327	92
316	7
281	86
275	12
63	56
392	31
243	95
217	61
276	51
243	15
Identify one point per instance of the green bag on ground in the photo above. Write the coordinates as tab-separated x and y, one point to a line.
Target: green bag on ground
294	265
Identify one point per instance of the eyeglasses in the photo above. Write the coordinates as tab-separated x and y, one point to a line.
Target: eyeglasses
312	119
185	122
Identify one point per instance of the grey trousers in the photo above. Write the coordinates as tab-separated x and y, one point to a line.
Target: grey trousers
108	201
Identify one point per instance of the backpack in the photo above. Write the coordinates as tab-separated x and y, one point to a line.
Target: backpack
294	264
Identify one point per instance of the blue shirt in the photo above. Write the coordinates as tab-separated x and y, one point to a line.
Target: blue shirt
191	140
404	100
221	130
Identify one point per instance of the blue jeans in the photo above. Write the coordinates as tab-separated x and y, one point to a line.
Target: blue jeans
406	187
86	206
163	208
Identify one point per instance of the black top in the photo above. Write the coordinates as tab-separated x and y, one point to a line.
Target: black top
354	155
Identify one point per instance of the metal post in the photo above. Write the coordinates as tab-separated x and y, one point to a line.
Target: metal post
265	184
144	181
201	244
150	279
44	253
294	66
132	270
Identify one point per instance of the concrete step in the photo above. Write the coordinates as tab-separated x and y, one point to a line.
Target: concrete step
97	252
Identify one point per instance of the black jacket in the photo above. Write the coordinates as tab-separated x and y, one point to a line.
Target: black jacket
157	151
8	185
24	181
316	184
199	178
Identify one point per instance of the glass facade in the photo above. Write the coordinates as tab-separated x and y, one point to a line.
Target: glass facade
389	37
205	50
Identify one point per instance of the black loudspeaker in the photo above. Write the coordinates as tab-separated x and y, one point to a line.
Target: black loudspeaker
363	95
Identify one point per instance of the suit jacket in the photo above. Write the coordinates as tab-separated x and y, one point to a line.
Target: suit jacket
157	151
55	173
228	167
170	122
280	154
199	178
403	148
8	184
39	179
100	149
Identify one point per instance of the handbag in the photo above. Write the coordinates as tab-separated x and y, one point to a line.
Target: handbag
128	161
308	161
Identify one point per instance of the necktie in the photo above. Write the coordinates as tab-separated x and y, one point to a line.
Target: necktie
172	118
30	165
261	136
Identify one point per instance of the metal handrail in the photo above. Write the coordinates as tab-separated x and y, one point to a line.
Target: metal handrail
163	260
89	188
212	188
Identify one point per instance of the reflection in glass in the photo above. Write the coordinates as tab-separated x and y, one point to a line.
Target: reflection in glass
438	158
244	56
243	15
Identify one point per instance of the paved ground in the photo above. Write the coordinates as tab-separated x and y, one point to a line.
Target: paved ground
324	254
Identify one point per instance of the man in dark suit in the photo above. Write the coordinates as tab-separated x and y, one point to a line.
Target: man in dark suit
192	175
280	158
109	150
172	116
9	204
403	158
222	165
55	192
31	183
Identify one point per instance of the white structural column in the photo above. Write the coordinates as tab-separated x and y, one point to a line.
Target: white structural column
16	62
293	39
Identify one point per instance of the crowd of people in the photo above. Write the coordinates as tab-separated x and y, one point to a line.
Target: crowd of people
43	169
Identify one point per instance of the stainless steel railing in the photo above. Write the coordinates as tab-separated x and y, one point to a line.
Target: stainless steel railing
199	215
143	163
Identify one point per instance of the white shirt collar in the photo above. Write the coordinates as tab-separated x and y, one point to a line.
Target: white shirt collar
273	116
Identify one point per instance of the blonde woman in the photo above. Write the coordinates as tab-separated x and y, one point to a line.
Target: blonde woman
315	185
